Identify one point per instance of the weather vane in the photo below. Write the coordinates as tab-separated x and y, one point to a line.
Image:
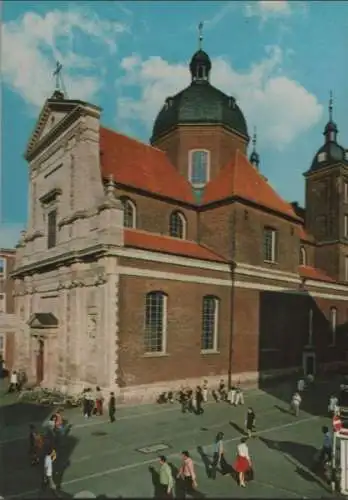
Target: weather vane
200	33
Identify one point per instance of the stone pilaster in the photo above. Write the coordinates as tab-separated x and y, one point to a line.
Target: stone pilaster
62	334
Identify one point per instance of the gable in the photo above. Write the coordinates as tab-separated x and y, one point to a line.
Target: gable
52	115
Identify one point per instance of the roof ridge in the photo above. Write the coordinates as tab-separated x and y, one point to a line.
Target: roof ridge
160	234
265	181
134	139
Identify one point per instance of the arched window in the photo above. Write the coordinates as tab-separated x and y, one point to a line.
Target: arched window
303	257
129	213
210	323
155	322
177	225
199	168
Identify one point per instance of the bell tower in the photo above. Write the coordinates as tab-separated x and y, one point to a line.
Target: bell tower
327	202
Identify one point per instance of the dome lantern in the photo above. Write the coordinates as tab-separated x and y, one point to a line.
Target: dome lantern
200	65
255	157
331	129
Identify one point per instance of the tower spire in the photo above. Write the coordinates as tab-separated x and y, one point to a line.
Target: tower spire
331	130
200	35
330	106
255	157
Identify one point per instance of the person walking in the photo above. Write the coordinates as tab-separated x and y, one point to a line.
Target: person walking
48	469
243	462
239	399
187	474
295	403
34	447
99	400
166	480
205	391
13	382
250	421
301	385
326	449
232	395
333	404
112	407
218	456
199	400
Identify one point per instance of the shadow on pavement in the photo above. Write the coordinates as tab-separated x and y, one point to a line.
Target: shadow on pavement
302	456
285	343
19	476
19	413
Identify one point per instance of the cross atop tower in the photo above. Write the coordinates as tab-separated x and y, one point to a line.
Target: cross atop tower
59	92
57	74
200	35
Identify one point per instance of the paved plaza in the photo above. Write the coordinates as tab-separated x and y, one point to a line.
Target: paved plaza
115	459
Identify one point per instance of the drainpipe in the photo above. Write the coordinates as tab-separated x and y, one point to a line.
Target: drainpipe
232	274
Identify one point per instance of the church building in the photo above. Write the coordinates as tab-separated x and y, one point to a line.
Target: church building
149	266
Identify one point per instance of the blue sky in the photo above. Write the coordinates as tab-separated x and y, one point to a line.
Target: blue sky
278	58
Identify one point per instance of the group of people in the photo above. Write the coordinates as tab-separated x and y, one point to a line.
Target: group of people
93	403
43	445
192	400
186	474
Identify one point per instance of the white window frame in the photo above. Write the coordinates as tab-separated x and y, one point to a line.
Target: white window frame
190	167
216	324
310	328
322	157
346	226
3	301
177	213
131	203
163	351
333	325
274	233
4	260
303	256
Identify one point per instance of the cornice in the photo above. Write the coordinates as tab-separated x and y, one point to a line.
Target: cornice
79	214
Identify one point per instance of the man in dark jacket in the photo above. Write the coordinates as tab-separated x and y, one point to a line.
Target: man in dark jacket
112	407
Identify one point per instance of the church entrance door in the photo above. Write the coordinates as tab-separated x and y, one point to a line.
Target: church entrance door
40	362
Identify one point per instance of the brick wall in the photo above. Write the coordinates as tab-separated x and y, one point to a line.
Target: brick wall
184	359
221	144
269	332
153	214
236	232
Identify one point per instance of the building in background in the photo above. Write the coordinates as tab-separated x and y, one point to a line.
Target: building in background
149	266
8	322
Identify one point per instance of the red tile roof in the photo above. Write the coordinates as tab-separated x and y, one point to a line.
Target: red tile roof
165	244
141	166
313	273
305	236
240	178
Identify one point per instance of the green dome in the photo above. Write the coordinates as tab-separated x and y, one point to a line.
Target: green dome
199	103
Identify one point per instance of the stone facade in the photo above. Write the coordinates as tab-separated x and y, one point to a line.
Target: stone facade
82	278
8	321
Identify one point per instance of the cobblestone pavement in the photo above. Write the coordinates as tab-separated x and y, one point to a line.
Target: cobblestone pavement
114	459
